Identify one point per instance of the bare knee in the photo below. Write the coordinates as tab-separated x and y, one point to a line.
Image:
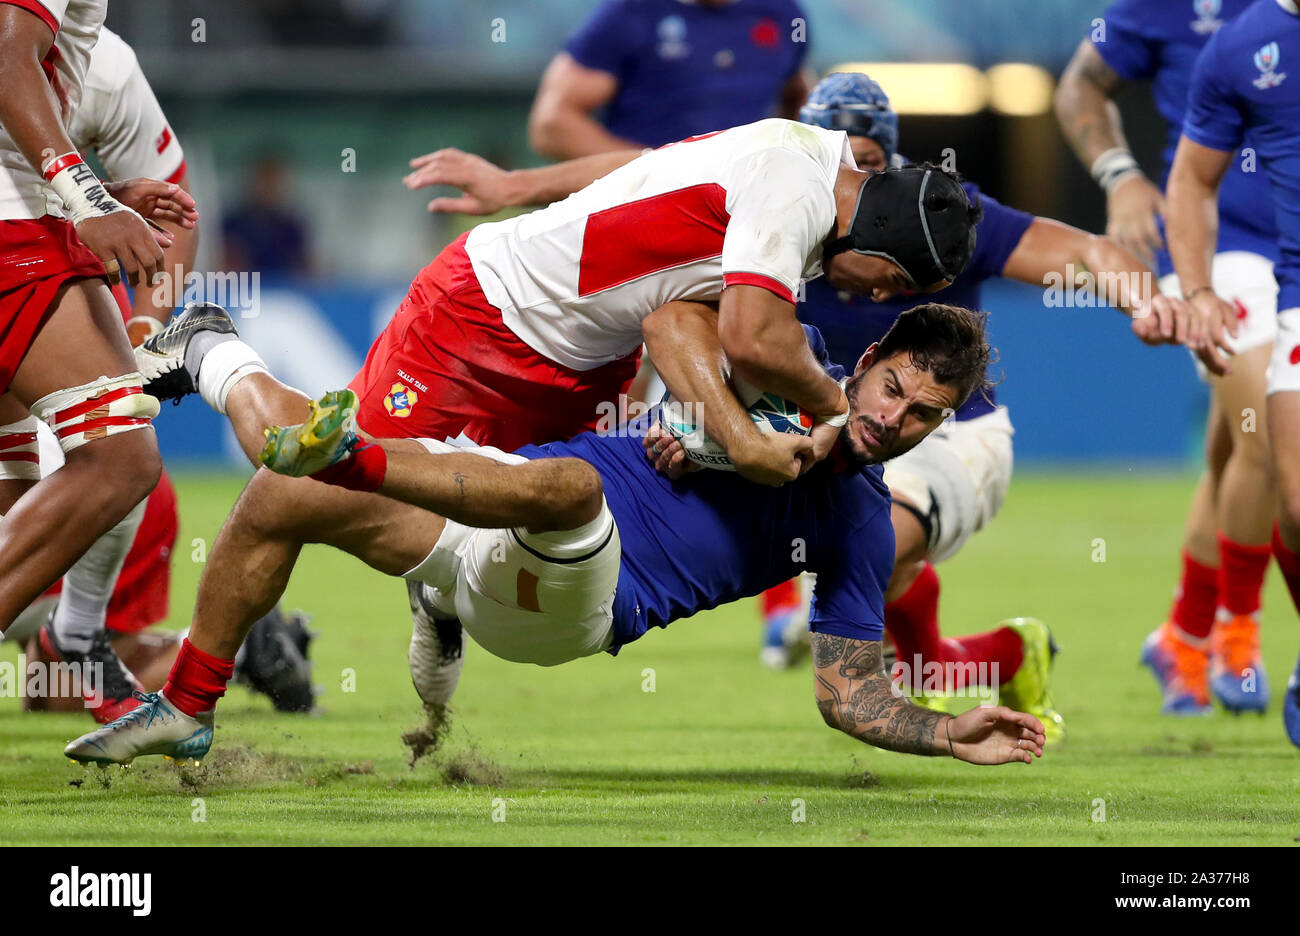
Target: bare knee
130	459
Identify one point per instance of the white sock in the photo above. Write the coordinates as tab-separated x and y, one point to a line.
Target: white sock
223	366
88	586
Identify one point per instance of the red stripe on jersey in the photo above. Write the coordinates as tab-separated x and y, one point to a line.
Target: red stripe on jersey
30	457
177	175
652	234
758	279
37	8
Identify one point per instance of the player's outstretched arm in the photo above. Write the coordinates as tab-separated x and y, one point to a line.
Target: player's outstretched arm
488	188
1194	181
856	696
1050	250
1091	123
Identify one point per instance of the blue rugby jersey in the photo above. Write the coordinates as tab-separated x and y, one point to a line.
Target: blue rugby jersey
1241	91
1159	40
685	69
712	537
850	324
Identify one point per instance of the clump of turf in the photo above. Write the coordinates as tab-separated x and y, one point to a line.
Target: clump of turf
469	768
425	738
463	767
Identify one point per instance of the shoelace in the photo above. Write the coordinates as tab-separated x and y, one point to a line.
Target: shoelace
145	710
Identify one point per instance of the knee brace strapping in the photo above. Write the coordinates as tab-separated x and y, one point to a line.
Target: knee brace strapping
20	457
92	411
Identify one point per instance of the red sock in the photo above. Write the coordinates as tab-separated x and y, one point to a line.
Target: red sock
1001	648
363	471
912	621
1241	575
1196	599
1289	563
780	599
197	680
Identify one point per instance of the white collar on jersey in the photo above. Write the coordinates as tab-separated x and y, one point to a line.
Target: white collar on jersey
1290	6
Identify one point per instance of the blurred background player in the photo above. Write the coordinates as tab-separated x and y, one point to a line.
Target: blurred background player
647	72
1240	94
119	587
265	232
1210	640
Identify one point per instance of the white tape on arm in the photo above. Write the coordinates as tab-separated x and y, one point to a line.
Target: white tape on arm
1114	166
83	195
840	421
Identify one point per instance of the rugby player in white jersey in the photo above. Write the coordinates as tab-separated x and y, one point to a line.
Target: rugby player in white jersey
119	586
64	354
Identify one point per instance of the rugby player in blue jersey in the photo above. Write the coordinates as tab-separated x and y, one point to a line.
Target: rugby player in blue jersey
1226	546
648	72
1240	92
564	550
953	485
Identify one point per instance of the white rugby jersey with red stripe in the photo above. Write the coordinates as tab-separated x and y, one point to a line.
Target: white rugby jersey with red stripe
120	118
750	205
76	24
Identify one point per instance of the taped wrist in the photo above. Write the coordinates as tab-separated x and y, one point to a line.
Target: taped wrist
20	455
76	184
840	421
1113	167
107	406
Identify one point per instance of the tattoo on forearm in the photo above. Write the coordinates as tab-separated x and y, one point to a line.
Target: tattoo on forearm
460	483
861	701
1090	130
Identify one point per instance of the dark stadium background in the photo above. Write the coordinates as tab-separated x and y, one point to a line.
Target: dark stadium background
311	80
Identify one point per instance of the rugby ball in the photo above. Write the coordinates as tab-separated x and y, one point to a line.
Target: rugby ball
769	412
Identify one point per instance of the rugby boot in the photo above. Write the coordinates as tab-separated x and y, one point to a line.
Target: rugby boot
327	437
1181	666
155	726
1237	676
107	686
170	360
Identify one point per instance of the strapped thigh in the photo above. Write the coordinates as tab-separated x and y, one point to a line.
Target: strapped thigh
107	406
20	458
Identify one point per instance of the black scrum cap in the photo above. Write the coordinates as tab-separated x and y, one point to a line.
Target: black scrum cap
916	216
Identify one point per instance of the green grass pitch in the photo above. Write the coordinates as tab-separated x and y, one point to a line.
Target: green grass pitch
722	751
